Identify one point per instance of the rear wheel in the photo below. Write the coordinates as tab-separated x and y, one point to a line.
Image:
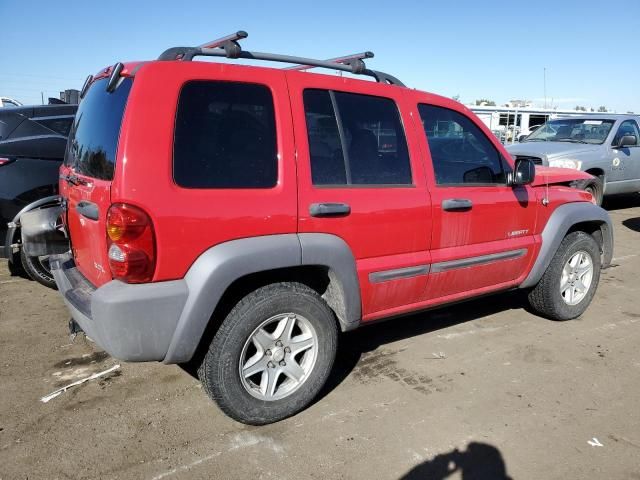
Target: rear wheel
38	269
567	287
271	355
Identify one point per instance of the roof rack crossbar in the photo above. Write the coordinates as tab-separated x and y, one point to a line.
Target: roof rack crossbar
234	37
345	60
229	47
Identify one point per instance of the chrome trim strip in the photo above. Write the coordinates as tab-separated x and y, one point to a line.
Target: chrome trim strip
473	261
395	274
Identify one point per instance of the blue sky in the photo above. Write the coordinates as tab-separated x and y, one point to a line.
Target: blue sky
472	48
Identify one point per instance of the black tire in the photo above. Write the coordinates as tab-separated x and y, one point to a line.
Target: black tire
596	188
15	267
38	270
219	371
546	299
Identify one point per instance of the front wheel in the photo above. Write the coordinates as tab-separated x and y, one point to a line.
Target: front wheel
567	287
596	189
272	354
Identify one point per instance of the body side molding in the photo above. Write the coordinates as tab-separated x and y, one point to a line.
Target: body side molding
561	220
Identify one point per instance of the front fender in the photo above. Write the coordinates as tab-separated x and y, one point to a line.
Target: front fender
560	222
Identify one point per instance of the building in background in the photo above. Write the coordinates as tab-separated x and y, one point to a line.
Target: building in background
70	96
519	118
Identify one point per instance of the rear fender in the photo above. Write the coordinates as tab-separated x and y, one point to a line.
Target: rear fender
220	266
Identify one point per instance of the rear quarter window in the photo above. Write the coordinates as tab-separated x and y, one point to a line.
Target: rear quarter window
225	136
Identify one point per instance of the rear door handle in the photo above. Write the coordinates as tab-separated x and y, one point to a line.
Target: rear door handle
329	209
457	204
87	209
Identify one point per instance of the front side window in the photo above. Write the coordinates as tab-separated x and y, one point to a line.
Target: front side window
225	136
355	140
460	152
628	127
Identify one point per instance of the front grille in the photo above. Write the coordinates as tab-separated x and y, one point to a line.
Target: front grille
536	160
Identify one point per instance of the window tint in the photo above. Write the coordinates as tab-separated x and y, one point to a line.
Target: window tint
628	127
460	152
363	143
225	136
327	161
93	139
58	125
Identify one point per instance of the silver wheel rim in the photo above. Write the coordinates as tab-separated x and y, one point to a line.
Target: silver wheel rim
577	275
278	356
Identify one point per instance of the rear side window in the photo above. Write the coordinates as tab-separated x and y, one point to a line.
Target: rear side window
225	136
355	140
93	139
460	152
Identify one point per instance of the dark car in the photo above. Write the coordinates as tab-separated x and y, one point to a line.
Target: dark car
32	145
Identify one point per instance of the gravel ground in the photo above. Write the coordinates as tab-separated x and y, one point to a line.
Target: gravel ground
479	390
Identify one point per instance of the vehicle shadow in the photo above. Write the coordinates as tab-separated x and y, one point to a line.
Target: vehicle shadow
479	461
619	202
632	224
369	337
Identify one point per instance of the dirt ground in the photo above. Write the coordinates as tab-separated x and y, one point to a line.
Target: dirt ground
484	390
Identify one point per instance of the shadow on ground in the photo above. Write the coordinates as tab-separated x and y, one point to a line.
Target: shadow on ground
480	461
632	224
366	339
619	202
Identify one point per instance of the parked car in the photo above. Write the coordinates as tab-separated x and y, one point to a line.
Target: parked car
240	217
532	128
9	102
605	146
32	145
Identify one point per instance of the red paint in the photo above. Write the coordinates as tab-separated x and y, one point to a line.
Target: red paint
388	228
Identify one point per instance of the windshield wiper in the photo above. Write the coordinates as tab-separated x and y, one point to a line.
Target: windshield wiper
572	140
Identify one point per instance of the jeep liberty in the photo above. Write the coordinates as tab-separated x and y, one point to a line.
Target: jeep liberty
240	217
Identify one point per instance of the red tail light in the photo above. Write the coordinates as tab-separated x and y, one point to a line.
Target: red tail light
5	161
132	250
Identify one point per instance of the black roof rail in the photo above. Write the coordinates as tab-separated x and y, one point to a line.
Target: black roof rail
345	60
229	47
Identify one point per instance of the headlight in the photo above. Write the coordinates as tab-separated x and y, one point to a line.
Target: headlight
566	163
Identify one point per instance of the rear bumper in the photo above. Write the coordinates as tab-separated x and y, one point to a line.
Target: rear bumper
131	322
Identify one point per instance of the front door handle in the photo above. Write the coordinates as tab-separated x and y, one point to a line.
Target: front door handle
457	204
329	209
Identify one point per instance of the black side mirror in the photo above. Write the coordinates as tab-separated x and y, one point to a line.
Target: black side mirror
627	141
524	172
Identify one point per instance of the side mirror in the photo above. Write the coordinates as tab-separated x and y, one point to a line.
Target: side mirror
524	172
627	141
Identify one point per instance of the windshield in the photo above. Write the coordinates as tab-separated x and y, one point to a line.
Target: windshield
93	140
577	130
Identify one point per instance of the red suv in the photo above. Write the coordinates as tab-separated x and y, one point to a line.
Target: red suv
253	213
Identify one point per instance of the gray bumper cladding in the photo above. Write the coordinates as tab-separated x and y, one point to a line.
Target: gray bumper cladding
131	322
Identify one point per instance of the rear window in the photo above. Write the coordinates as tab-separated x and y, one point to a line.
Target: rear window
225	136
93	139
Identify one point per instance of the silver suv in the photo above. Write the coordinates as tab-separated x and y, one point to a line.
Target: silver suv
606	146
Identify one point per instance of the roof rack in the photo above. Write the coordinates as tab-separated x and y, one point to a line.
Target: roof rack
346	60
229	47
